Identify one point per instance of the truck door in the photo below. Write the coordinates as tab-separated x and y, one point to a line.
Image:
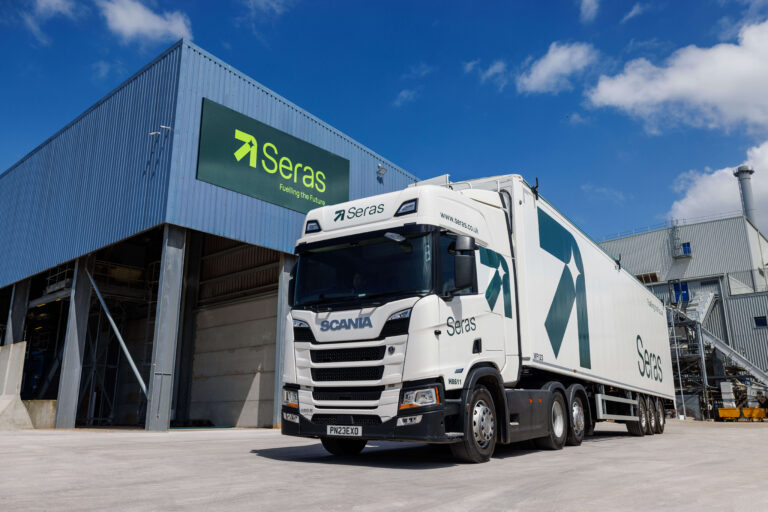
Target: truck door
471	330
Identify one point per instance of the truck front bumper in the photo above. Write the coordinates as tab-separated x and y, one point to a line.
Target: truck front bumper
434	424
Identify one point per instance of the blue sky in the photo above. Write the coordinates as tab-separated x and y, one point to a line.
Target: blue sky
628	112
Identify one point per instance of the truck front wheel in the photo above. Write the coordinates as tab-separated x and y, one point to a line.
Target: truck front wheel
343	447
480	429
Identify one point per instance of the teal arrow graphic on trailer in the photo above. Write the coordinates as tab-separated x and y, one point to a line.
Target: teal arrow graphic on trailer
561	244
499	281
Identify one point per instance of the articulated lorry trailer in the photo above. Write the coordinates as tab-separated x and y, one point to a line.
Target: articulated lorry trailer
471	314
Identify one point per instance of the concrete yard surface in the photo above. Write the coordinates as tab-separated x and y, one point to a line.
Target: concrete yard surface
692	466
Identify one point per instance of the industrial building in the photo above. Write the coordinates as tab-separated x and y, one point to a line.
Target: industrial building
146	246
713	274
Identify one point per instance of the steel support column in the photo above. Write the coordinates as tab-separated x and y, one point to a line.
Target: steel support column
287	262
167	318
186	351
74	345
17	312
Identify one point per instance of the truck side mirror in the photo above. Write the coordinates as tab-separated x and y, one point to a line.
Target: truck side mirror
464	271
464	243
464	262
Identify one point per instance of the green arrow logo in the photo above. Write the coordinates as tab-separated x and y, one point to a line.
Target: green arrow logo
339	215
250	146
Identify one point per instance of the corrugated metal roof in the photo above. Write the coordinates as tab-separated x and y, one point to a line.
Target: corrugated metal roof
100	179
205	207
717	247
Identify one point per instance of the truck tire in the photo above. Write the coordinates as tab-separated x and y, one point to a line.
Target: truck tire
661	418
577	422
480	431
650	405
637	428
557	418
343	447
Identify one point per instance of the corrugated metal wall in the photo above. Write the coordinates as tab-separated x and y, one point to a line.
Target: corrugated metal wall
205	207
99	180
751	341
717	247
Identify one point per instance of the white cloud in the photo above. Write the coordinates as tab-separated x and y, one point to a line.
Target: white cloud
133	21
404	96
260	9
636	10
469	66
51	8
576	118
551	73
588	10
720	86
101	69
717	192
603	193
418	71
496	73
43	11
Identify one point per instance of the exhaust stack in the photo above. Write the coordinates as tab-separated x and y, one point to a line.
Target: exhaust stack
744	174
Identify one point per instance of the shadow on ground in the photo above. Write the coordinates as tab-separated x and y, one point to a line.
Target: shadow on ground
384	454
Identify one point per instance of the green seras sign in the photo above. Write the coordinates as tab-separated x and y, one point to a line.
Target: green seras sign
250	157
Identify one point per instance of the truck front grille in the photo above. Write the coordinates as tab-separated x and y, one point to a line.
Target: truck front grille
346	419
356	394
347	374
348	355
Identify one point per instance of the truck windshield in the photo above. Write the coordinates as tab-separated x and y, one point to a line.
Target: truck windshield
381	267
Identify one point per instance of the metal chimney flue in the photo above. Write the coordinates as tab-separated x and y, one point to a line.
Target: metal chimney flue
744	174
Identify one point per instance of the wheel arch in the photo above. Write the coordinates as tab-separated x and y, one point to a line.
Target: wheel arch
489	376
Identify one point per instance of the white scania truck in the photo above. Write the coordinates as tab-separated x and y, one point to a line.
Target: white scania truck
468	313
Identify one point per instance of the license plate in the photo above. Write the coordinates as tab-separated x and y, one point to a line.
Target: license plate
344	430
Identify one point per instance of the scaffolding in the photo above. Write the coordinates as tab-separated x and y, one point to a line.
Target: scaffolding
701	362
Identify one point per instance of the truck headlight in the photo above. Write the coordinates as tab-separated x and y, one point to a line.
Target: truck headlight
300	324
291	398
420	398
400	315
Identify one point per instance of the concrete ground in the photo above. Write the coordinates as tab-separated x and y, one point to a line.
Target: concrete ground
692	466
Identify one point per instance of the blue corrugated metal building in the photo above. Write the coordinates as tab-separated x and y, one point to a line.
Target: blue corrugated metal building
193	271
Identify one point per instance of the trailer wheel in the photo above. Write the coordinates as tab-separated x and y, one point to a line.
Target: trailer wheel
480	431
577	422
637	428
558	425
661	419
343	447
650	429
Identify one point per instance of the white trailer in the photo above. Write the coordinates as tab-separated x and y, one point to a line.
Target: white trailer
468	313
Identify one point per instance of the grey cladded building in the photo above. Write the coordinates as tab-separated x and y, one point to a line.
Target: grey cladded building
716	267
145	248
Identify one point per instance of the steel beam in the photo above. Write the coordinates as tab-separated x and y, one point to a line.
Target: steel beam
167	318
119	337
17	313
287	262
74	345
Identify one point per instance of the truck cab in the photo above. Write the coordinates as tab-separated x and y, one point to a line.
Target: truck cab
394	300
